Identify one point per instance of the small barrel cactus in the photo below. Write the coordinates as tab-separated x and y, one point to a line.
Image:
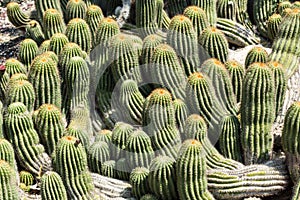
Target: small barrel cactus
35	32
256	54
123	169
7	153
45	46
104	135
139	180
108	168
273	23
13	66
98	153
53	23
16	16
93	17
74	129
52	187
8	182
28	51
210	8
149	45
42	7
57	42
181	113
26	178
282	6
75	9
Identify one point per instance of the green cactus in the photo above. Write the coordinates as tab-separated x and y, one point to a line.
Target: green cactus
159	10
149	197
51	55
1	122
162	177
52	187
27	52
280	84
98	153
166	70
197	17
139	152
210	8
242	13
70	162
78	31
49	125
42	7
146	16
137	44
256	54
139	180
4	78
53	23
26	178
104	136
282	6
257	113
107	28
285	48
57	42
108	169
13	66
16	16
183	38
35	32
75	9
45	46
149	45
25	140
7	153
227	9
93	17
191	158
8	182
21	91
123	169
45	79
75	130
236	72
18	77
273	24
165	20
221	83
215	43
181	113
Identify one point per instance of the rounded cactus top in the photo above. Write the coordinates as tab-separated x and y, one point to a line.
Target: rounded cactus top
16	108
160	94
105	132
129	86
195	78
161	161
195	118
18	76
12	5
179	19
274	64
258	65
49	108
5	168
233	64
49	13
213	62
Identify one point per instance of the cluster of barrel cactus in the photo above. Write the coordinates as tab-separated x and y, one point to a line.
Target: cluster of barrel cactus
144	92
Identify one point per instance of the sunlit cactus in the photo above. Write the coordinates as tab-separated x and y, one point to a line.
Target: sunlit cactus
93	17
7	153
13	66
227	9
108	168
210	8
98	153
26	178
282	6
8	182
42	7
273	23
35	31
256	54
16	16
45	46
149	45
57	42
75	130
104	136
52	187
181	113
75	9
53	23
139	181
27	52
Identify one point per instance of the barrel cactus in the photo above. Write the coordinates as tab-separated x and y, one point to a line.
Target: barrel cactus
57	42
98	153
28	51
75	9
139	181
16	16
35	32
52	187
8	182
13	66
256	54
52	23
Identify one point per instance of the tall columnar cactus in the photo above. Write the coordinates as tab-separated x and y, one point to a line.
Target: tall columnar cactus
104	136
227	9
57	42
49	125
25	140
78	31
129	103
181	113
149	45
52	187
35	32
27	52
236	72
45	79
165	70
215	43
196	128
98	153
183	38
256	54
139	152
70	162
280	84
191	158
93	17
221	83
7	153
210	8
139	181
197	17
273	24
16	16
285	48
162	177
13	66
257	113
26	178
146	16
75	9
21	91
8	182
53	23
290	140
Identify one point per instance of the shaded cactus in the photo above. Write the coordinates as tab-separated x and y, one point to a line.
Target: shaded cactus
25	140
149	45
21	91
13	66
197	17
210	8
296	189
45	79
57	42
42	7
75	9
78	31
227	9
35	32
139	181
93	17
16	16
162	177
75	130
123	169
104	136
53	23
111	6
45	46
242	13
256	54
108	169
26	178
98	153
49	125
191	158
7	153
215	43
165	20
273	24
165	70
181	113
236	72
183	38
8	182
70	162
149	197
52	187
257	113
282	6
27	52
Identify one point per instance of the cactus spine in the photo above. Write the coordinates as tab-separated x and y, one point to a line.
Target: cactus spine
256	54
227	9
257	113
149	45
108	169
104	135
13	66
93	17
52	187
139	181
57	42
210	8
75	9
7	153
16	16
53	23
35	32
181	113
26	178
98	153
27	52
273	24
8	182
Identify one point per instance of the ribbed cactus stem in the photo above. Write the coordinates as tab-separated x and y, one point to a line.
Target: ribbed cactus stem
53	23
16	16
139	181
8	182
104	135
93	17
7	153
35	32
108	169
13	66
42	7
256	54
28	51
26	178
210	8
45	46
52	187
57	42
181	113
98	153
227	9
273	23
